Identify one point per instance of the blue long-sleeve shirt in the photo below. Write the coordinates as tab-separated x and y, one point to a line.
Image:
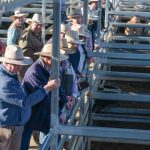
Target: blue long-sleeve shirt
15	104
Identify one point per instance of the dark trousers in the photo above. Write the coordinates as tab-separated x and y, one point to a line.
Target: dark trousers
26	136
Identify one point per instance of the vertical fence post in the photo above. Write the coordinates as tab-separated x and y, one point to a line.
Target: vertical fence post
43	18
85	12
99	28
55	69
106	13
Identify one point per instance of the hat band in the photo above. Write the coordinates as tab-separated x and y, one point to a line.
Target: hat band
14	59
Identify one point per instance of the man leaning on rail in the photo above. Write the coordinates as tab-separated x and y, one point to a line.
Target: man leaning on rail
15	104
36	76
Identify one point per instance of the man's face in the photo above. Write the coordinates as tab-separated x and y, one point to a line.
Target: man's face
94	5
48	61
13	68
19	20
77	19
36	27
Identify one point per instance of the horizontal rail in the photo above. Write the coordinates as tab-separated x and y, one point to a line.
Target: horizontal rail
120	110
125	46
129	13
15	4
3	31
117	62
134	97
120	55
120	118
136	25
124	76
131	38
112	134
37	10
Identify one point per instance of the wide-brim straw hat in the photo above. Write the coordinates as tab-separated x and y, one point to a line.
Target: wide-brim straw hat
37	18
64	47
72	37
92	1
18	13
47	52
14	55
75	13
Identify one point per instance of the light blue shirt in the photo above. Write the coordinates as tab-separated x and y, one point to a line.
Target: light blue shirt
12	36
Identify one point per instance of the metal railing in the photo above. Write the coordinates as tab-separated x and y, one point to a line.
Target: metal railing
109	55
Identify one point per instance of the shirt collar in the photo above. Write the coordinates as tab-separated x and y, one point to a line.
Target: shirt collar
8	72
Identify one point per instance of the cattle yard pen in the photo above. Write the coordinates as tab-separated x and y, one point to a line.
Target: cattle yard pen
121	60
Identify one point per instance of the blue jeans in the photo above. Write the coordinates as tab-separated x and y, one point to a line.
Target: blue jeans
26	136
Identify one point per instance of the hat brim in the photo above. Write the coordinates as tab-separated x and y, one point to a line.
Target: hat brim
74	16
25	61
43	54
69	50
19	15
46	54
29	21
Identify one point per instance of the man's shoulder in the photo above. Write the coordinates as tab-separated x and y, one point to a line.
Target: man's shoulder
36	67
26	32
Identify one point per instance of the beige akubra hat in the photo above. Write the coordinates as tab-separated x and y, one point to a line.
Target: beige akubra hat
73	37
64	47
14	55
37	18
47	52
18	13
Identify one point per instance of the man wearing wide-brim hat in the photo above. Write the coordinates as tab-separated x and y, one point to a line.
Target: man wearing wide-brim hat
15	104
30	40
77	59
38	75
68	77
16	27
76	18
